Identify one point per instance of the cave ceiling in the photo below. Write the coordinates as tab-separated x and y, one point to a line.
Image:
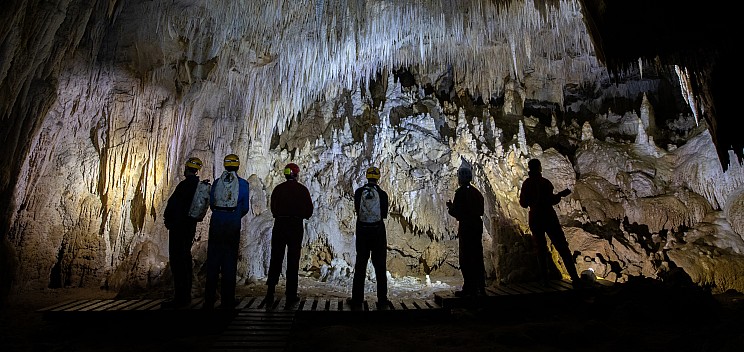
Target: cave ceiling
697	38
291	53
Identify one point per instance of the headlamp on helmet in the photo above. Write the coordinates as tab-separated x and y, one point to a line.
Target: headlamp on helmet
291	170
232	160
194	163
373	173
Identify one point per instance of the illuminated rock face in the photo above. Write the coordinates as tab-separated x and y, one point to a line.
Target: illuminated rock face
87	206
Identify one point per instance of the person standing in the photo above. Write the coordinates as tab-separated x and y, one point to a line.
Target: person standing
468	207
537	194
290	205
228	200
181	232
371	207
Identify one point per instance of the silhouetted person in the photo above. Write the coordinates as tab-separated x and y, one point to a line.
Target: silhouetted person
467	208
229	199
537	194
181	232
371	206
290	205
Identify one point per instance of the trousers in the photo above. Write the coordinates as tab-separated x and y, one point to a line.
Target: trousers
371	242
286	235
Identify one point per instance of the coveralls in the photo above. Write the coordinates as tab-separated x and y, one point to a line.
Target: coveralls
222	246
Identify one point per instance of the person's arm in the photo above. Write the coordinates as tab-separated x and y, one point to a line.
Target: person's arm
178	203
357	199
384	203
554	198
479	208
244	201
273	199
211	193
171	208
453	207
524	195
308	204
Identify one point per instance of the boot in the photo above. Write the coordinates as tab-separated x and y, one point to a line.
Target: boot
269	298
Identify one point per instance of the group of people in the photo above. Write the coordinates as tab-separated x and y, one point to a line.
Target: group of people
229	201
291	204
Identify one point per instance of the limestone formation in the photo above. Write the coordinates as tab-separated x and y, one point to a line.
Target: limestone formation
99	125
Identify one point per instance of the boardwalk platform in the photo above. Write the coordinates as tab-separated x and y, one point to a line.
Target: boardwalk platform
92	308
255	324
146	307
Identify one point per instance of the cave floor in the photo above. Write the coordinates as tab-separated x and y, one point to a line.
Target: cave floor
641	318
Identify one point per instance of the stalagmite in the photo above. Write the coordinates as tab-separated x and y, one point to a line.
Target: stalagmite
586	132
522	139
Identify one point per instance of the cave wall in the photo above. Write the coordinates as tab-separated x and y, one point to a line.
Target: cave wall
94	156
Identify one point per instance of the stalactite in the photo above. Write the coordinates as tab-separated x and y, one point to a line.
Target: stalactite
270	44
686	86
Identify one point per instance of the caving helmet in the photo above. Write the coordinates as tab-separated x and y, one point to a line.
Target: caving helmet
232	160
373	173
194	163
291	171
464	175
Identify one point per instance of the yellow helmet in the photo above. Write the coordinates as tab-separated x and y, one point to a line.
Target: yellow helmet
194	163
373	173
232	160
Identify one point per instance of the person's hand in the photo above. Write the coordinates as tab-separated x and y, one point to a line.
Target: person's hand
564	192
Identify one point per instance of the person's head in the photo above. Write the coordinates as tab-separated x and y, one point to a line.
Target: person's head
291	171
193	165
232	162
373	174
534	165
464	175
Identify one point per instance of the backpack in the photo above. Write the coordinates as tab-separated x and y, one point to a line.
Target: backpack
200	202
226	190
369	205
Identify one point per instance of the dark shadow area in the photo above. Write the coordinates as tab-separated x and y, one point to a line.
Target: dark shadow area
641	315
177	332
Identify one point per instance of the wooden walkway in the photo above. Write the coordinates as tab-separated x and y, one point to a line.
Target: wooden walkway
254	330
255	324
144	307
121	307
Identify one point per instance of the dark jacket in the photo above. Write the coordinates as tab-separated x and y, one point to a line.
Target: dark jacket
384	202
468	204
291	199
177	210
537	194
